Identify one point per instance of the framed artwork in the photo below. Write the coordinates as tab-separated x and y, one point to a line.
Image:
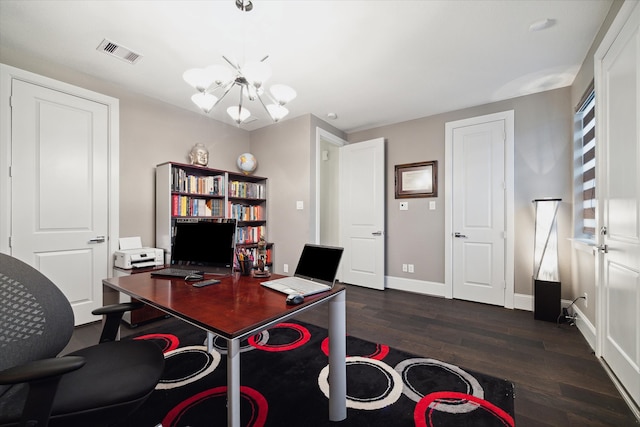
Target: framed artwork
417	180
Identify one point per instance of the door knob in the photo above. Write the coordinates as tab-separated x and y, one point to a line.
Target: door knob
97	239
603	249
377	233
459	236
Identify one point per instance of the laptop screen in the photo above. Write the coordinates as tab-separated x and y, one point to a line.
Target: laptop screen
319	263
204	243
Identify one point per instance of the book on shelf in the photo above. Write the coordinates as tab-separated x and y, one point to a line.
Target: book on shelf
246	190
245	212
250	234
184	182
194	206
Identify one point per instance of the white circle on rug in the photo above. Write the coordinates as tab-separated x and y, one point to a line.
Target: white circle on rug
212	362
391	395
453	407
262	338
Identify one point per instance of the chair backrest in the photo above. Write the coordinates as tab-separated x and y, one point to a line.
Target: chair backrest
36	319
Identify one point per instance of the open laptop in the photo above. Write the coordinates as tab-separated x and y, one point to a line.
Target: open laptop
203	246
316	272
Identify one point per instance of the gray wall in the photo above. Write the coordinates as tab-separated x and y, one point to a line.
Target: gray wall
543	159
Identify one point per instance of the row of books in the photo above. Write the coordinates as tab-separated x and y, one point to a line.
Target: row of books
245	213
247	190
193	206
183	182
250	234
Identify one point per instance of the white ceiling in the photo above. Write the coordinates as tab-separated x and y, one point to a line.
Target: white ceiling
372	63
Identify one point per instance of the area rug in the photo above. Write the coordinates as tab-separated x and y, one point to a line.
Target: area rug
284	382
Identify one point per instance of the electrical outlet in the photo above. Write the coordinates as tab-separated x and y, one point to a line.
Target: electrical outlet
410	268
586	300
286	268
404	267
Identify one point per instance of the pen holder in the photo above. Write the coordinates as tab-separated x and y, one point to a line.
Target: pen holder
245	267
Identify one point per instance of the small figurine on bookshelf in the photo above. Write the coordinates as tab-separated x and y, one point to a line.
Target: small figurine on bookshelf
199	155
262	259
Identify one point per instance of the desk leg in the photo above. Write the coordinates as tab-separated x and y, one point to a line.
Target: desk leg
210	337
337	359
233	383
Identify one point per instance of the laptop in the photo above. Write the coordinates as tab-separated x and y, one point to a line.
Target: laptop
316	272
203	246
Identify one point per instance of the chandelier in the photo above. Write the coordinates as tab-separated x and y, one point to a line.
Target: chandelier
214	82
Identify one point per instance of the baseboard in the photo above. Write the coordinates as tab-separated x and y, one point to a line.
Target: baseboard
416	286
523	302
586	328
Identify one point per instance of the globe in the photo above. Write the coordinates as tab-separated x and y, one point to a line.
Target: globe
247	163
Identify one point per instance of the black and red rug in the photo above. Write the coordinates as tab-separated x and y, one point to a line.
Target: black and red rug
284	382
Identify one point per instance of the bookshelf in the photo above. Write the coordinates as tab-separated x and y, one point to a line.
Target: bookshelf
194	192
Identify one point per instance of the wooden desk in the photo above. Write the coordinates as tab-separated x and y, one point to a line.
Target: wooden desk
237	308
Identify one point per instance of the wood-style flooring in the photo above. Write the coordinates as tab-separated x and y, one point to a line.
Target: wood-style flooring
558	380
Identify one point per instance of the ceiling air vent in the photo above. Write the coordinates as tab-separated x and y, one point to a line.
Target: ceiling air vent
113	49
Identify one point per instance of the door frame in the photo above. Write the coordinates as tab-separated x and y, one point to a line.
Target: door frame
508	118
7	75
322	135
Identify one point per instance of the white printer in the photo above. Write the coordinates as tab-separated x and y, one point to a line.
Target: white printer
133	255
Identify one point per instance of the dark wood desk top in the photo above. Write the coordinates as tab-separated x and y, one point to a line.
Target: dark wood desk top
235	306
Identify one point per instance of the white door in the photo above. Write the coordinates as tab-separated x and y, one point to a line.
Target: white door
362	196
478	245
617	103
59	187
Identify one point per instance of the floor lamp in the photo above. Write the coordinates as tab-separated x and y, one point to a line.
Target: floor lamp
546	275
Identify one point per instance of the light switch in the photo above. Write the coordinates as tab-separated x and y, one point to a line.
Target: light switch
404	206
299	205
432	205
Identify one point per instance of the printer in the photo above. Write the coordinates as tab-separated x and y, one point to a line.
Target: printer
138	258
133	255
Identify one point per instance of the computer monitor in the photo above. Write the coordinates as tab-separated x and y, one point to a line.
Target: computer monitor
205	244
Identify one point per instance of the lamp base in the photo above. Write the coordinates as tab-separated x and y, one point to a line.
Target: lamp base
546	300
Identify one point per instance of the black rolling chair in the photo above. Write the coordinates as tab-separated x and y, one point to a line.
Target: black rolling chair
95	386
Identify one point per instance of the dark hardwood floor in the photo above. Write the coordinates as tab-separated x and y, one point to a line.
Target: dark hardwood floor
558	380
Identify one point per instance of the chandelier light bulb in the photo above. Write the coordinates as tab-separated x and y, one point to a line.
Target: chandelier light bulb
198	78
283	93
219	75
204	100
238	113
277	112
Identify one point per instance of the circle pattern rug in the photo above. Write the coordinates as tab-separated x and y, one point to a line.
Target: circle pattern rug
284	382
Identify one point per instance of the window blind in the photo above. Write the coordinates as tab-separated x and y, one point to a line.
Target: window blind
587	114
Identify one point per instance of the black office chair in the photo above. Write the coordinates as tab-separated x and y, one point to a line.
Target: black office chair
95	386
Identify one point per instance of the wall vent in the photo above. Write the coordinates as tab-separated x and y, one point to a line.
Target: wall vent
120	52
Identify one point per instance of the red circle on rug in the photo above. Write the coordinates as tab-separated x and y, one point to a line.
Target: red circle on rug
424	407
380	353
254	397
169	341
303	338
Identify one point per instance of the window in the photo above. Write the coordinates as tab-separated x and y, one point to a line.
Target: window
586	165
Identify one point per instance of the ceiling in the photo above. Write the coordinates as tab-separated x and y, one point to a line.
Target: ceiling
372	63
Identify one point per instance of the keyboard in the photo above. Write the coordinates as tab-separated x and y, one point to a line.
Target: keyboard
177	272
296	285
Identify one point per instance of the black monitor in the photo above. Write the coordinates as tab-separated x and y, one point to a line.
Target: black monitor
208	244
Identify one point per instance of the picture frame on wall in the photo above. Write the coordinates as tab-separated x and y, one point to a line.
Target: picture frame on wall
417	180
